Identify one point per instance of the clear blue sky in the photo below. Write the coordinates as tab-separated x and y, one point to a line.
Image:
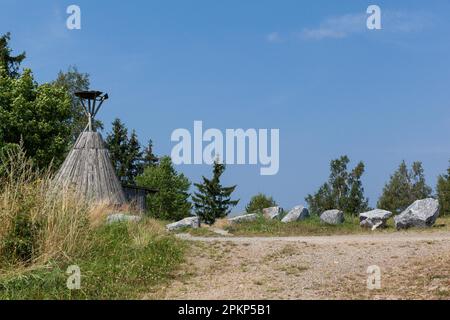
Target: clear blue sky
309	68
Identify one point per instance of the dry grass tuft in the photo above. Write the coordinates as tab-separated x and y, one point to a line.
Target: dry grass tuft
40	223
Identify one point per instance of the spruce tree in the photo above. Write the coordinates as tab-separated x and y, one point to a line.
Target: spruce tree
355	200
117	143
213	201
443	192
404	187
149	158
9	63
133	159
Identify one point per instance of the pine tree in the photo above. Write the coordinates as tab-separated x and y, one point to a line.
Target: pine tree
133	164
8	62
149	158
355	200
213	201
419	188
343	191
443	192
404	187
117	143
321	201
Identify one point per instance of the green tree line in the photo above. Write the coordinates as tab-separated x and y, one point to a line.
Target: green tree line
45	119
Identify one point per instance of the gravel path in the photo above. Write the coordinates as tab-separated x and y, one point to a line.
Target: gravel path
413	265
379	238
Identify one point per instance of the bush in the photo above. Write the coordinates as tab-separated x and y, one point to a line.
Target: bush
20	242
171	202
259	202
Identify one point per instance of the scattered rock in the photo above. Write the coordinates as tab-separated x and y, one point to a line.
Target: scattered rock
374	219
244	218
296	214
334	217
421	214
120	217
190	222
272	213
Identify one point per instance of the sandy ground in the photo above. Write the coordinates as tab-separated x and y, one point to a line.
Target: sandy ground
413	266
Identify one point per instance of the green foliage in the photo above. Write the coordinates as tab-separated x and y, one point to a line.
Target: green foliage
117	144
259	202
73	81
116	267
8	62
37	116
149	158
133	158
126	153
213	201
443	193
20	242
404	187
171	202
343	191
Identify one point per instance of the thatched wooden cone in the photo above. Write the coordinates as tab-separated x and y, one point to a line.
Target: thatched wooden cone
89	171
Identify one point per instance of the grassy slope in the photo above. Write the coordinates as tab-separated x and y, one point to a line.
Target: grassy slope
313	226
125	261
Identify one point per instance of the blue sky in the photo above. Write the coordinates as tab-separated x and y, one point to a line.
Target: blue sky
309	68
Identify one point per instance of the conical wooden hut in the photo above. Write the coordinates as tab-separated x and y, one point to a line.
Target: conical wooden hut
88	168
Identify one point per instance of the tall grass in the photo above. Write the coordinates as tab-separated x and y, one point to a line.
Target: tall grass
39	222
44	229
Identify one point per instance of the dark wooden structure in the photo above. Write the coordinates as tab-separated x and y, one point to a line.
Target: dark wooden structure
137	196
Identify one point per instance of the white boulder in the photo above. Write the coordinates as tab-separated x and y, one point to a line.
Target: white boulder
421	214
333	217
374	219
190	222
244	218
296	214
272	213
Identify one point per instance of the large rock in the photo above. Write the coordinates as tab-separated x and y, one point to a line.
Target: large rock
421	214
374	219
334	217
244	218
191	222
296	214
272	213
120	217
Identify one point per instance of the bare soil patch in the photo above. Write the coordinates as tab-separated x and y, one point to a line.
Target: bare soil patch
413	266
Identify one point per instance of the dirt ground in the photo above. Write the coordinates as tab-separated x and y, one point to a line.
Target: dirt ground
413	266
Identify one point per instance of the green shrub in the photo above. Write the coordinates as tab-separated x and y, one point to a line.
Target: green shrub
259	202
20	242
